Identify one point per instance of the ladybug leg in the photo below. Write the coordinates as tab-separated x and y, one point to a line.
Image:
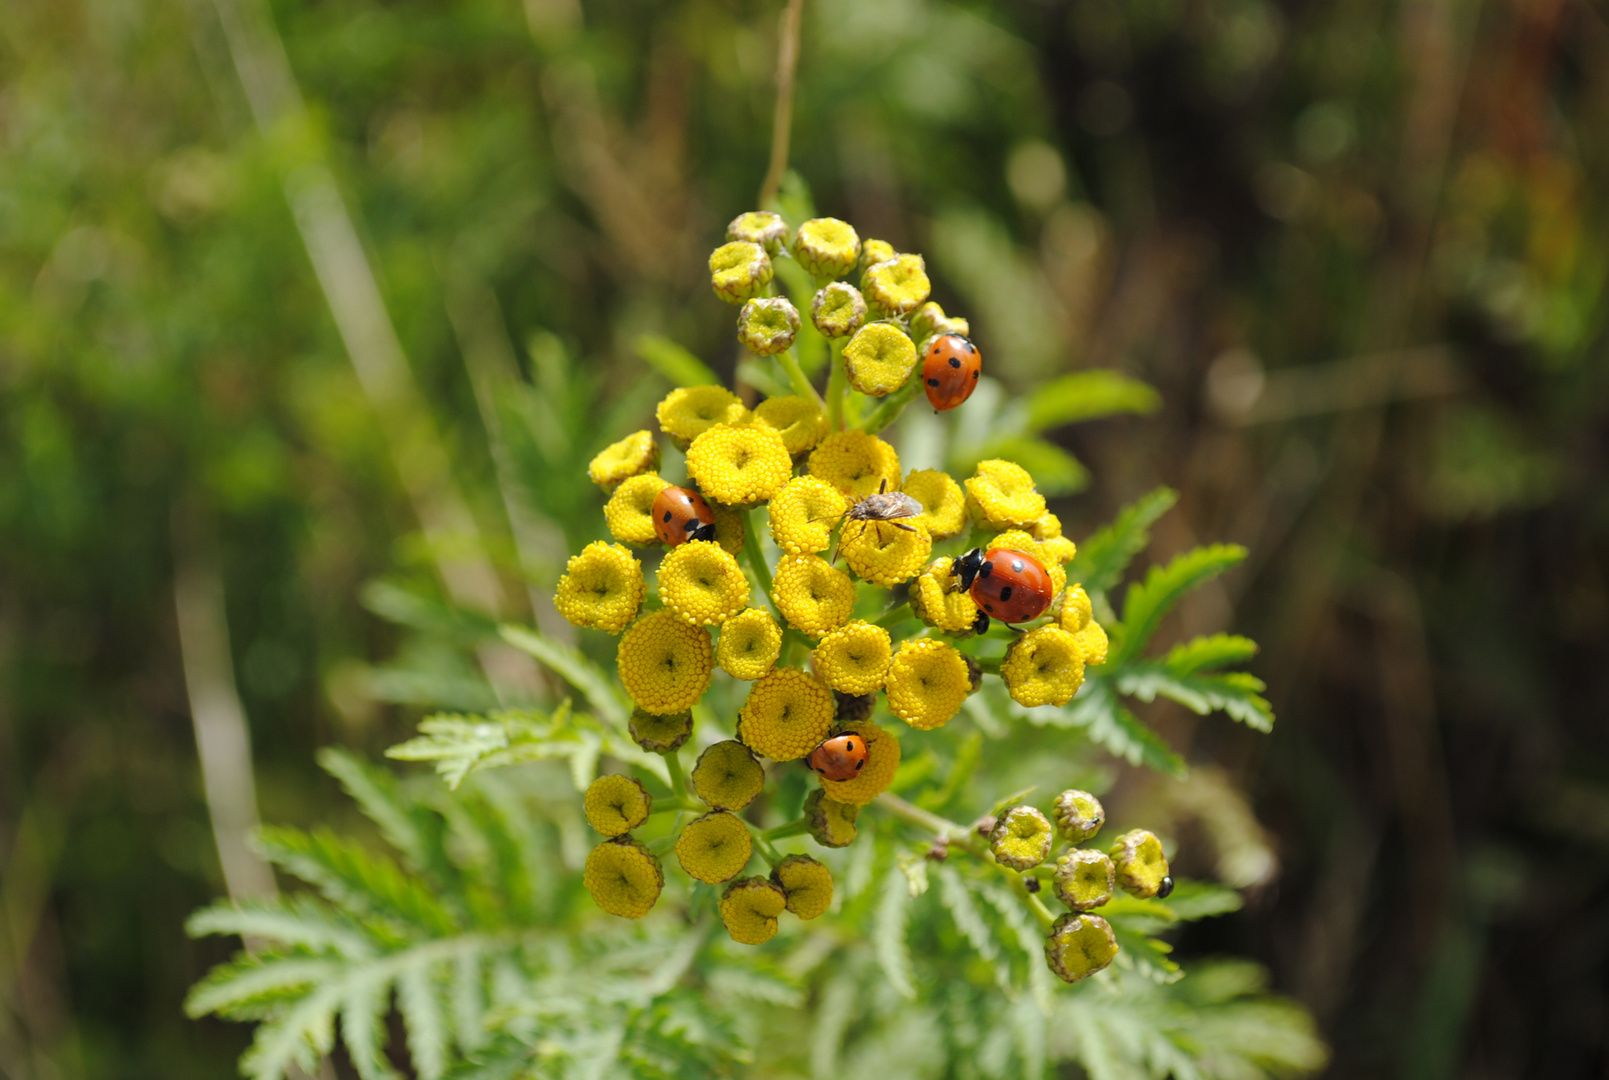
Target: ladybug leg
980	625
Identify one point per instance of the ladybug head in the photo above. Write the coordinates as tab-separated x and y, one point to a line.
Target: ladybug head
967	567
705	531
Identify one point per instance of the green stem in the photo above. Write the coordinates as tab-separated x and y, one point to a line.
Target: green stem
767	852
666	806
756	558
891	406
796	376
782	832
665	843
1036	905
959	836
678	779
837	387
894	616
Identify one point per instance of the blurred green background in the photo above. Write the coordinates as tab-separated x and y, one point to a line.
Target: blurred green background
1359	248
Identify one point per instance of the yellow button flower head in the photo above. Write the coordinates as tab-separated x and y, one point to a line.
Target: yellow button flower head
831	823
804	514
1140	863
1078	619
838	309
630	510
854	658
884	554
938	599
856	463
768	325
616	804
1046	526
812	595
827	248
1001	495
729	528
664	663
874	778
750	644
1079	945
1044	667
1021	838
807	883
1058	549
786	715
689	411
623	877
927	683
701	582
714	848
727	776
1079	815
799	421
636	453
749	908
760	227
739	465
739	271
929	321
899	284
879	359
1084	879
943	502
660	734
602	588
873	252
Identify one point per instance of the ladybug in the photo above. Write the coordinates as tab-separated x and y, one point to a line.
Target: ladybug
1007	585
680	515
840	757
950	371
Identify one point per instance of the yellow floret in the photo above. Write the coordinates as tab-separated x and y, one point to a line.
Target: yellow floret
943	502
623	877
1001	495
660	734
856	463
768	325
1044	667
899	284
807	883
715	848
727	776
665	664
1078	619
804	514
689	411
630	510
854	658
827	248
1046	526
739	270
799	421
927	683
838	309
830	822
702	583
874	778
883	553
1139	863
602	587
749	908
729	528
1058	549
873	252
929	321
812	595
636	453
739	465
787	714
1079	945
1021	838
750	644
760	227
616	804
1084	879
879	359
938	599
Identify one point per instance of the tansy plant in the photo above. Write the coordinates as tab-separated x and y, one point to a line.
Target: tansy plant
820	657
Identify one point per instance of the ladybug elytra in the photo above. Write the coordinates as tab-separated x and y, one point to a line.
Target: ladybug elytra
840	757
680	515
1008	585
950	371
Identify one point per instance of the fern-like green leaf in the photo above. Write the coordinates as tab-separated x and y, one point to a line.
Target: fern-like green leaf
1114	728
248	982
375	791
674	362
1235	693
426	1021
575	669
363	1029
1089	395
355	878
1148	601
1103	557
1209	652
958	900
893	952
300	922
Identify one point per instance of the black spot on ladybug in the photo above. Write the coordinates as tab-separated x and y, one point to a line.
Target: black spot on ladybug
955	361
859	765
1016	564
988	607
667	515
850	746
975	374
932	382
1005	594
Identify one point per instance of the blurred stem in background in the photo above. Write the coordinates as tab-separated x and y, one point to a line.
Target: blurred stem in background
782	118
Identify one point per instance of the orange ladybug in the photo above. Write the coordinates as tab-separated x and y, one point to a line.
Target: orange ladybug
680	515
840	757
1008	585
950	371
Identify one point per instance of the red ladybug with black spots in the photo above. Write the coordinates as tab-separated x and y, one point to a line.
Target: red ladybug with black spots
680	515
1008	585
840	757
950	371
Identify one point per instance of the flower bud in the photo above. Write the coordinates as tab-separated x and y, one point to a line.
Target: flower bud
879	359
760	227
616	804
1079	815
831	823
1079	945
660	734
739	271
1084	879
827	248
838	309
767	326
930	321
873	252
1140	863
1021	838
897	285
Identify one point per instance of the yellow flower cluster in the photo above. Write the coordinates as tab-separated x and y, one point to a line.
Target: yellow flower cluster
856	463
702	582
665	663
927	683
882	759
854	658
739	465
804	514
750	644
715	848
602	588
885	553
812	595
787	714
623	877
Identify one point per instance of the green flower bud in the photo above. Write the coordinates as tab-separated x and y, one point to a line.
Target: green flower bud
739	271
831	823
1084	879
873	252
1079	945
898	285
1140	864
760	227
660	734
853	707
827	248
768	326
879	359
727	776
1079	815
930	321
1021	838
838	309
